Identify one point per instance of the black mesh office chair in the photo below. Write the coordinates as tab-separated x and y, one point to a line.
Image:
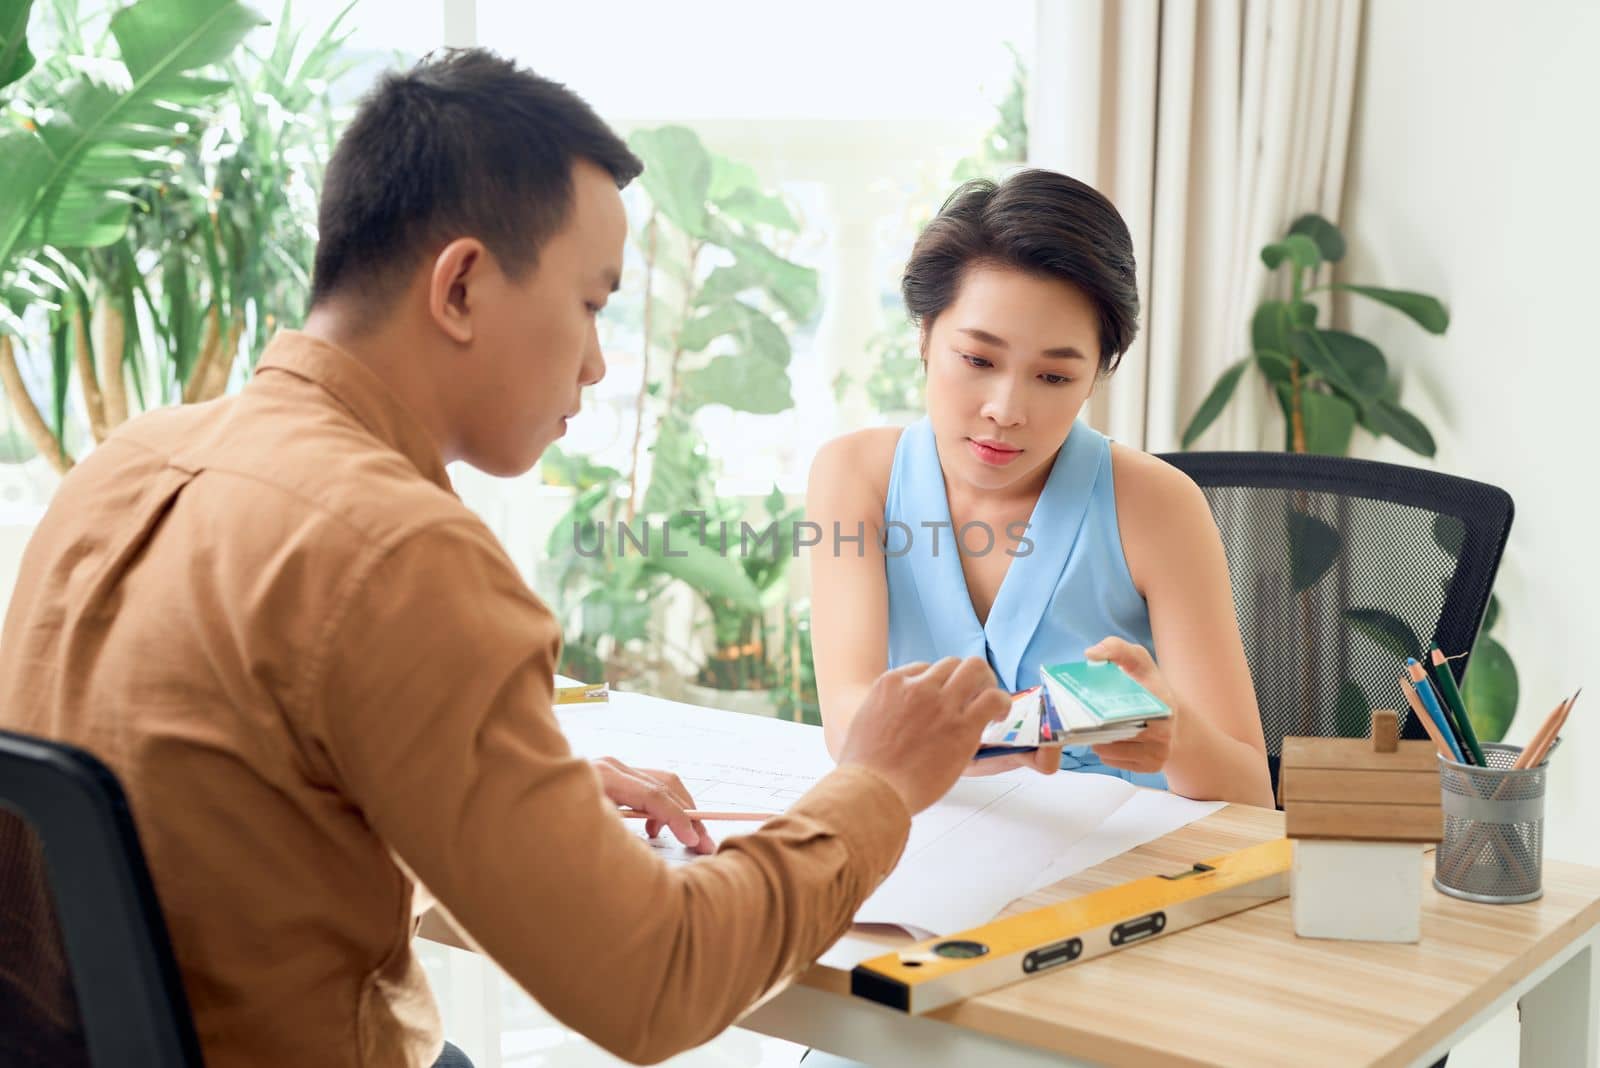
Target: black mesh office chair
87	977
1342	568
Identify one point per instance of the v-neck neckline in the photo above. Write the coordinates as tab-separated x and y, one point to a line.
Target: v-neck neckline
1031	577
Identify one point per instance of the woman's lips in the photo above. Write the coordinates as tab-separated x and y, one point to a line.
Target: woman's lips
993	453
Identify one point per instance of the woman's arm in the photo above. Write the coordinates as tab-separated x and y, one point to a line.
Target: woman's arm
849	594
1176	559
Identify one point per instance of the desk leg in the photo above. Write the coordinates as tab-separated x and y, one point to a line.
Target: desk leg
1559	1015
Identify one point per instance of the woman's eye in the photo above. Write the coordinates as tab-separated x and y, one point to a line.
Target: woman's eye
976	361
1056	380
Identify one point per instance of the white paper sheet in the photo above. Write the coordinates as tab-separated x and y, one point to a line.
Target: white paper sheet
989	841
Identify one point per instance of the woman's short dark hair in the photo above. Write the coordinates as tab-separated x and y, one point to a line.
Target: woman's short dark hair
1039	222
464	144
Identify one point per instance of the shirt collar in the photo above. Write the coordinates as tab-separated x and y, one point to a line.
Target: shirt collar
359	389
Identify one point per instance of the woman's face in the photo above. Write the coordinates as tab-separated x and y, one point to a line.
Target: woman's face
1010	363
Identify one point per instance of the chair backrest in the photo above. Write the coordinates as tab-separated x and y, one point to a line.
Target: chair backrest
1341	568
87	976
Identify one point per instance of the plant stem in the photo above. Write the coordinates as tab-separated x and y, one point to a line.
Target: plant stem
84	359
221	367
1297	423
690	292
644	361
33	424
112	384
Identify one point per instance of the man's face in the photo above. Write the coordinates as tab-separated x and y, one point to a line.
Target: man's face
534	343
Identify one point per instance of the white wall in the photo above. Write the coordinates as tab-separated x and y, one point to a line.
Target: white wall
1475	175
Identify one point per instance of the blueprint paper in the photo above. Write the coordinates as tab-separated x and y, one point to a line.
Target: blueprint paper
989	841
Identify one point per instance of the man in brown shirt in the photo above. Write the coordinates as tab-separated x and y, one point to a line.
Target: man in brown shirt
324	687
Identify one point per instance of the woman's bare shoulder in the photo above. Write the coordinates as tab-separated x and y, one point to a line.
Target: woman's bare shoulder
1161	514
860	460
1149	486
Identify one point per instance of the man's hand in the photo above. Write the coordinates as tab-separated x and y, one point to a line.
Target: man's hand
660	794
1149	750
1046	760
920	725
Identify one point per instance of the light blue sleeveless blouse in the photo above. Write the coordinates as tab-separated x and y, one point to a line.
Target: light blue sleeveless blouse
1061	595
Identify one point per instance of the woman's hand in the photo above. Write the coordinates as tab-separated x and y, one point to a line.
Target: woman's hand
1149	750
1046	760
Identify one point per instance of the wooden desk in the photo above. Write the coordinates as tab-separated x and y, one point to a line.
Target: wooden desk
1244	990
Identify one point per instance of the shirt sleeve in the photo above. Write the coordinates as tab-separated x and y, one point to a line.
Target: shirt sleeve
434	702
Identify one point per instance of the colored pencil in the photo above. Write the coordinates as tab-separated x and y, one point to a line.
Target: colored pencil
1452	700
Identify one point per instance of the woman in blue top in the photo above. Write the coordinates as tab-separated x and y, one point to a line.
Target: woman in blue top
1001	526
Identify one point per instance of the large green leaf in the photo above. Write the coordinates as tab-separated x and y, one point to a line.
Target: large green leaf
15	58
1391	632
755	208
736	191
704	567
793	286
729	177
754	332
1361	360
1274	366
678	469
66	183
1313	547
1389	418
1426	311
1269	327
1490	690
1215	401
159	38
677	174
1491	614
1310	349
1329	241
742	383
1329	421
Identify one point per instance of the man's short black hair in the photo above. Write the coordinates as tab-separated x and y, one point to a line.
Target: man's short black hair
465	144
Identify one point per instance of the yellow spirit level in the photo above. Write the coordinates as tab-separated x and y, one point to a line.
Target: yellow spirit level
934	973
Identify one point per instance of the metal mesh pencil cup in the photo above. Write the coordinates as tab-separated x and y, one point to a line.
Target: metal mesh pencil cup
1493	847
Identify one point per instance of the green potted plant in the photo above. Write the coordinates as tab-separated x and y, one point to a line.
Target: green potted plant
720	299
1328	382
161	223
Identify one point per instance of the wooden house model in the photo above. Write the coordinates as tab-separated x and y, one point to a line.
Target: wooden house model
1359	811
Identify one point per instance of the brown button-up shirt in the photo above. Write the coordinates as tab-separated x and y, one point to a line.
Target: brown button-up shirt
327	694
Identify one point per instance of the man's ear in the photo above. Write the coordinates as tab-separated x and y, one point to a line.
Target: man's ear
457	270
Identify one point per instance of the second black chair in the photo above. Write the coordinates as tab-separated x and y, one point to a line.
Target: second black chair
1341	568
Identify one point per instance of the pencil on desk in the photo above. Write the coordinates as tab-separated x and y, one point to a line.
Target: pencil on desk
702	814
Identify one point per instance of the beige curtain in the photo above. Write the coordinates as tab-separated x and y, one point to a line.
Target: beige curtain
1212	125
